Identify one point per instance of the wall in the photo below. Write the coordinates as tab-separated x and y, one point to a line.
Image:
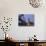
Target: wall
11	8
45	27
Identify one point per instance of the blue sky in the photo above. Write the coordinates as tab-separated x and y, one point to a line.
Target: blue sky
28	16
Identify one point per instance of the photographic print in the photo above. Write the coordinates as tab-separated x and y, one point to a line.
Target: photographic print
26	20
